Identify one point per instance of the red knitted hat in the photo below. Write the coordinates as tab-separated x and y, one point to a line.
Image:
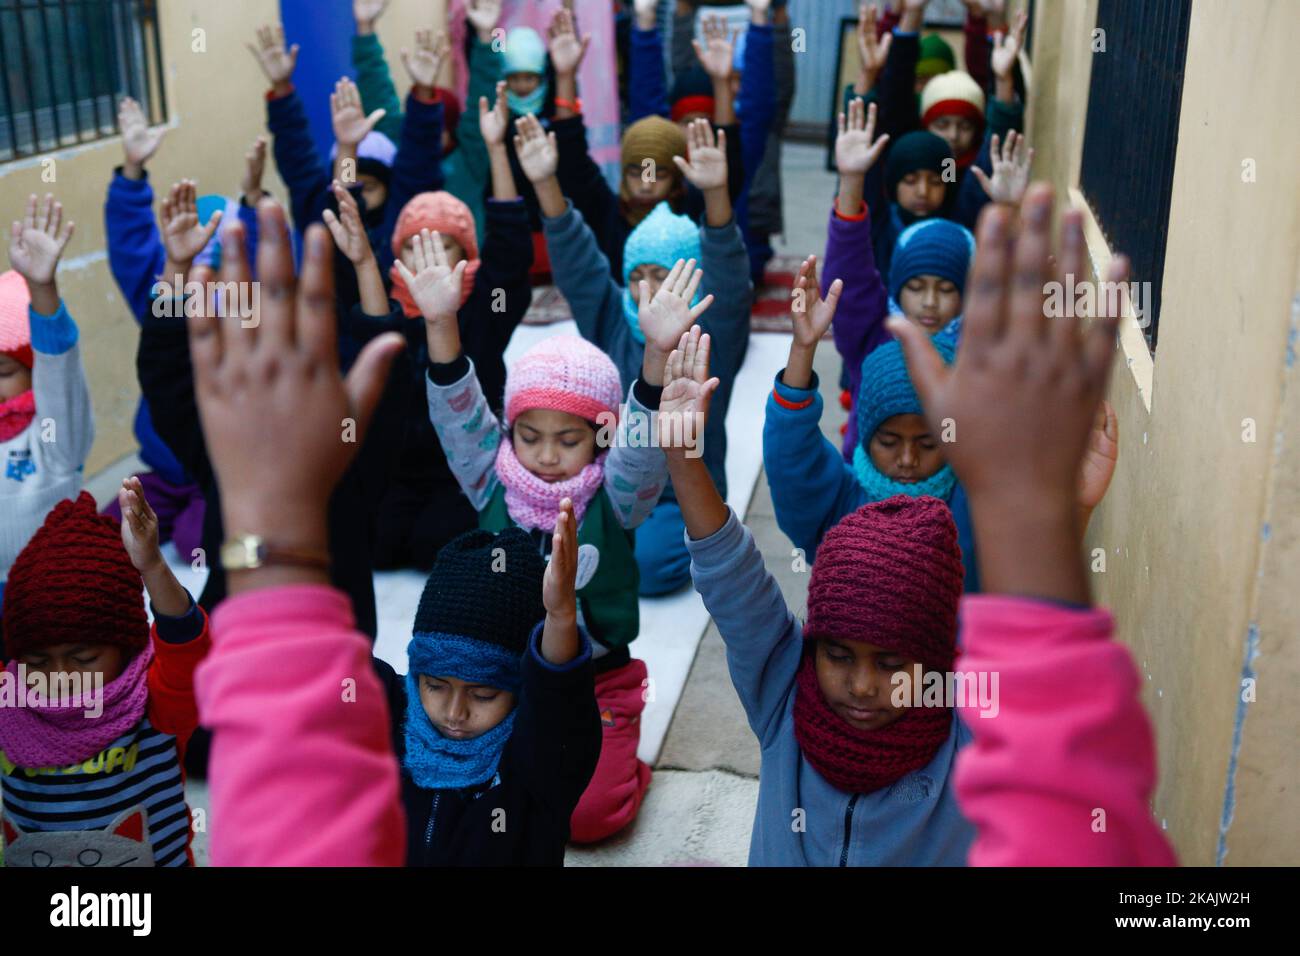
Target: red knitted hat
890	574
74	582
15	326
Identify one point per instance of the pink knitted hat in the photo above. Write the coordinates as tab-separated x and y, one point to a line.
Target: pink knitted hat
890	574
566	374
15	327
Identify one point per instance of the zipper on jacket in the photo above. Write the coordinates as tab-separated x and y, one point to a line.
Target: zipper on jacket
848	829
428	831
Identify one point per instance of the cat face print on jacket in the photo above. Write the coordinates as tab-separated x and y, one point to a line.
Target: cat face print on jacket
124	842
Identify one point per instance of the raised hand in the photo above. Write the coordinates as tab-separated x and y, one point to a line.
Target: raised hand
1099	460
669	313
873	50
566	49
856	148
707	165
351	124
366	12
424	65
912	15
538	153
139	527
273	382
758	10
716	53
1006	47
493	123
139	141
36	244
182	235
434	285
688	389
484	15
559	592
347	228
254	168
809	313
644	11
276	62
994	10
1022	397
1011	162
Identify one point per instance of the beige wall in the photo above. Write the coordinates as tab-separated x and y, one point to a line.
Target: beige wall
217	108
1193	576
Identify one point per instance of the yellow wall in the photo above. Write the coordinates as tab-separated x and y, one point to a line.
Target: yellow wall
1191	571
217	106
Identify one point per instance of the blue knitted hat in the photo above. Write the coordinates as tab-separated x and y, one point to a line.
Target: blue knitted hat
932	247
887	388
524	52
661	239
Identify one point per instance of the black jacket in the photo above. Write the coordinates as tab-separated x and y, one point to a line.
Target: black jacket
521	817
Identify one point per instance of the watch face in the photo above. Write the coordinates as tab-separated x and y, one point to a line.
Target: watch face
243	553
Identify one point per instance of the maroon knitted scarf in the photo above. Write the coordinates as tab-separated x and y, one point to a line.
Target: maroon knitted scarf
862	761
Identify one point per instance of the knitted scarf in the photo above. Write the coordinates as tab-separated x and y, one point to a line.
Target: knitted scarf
534	503
862	761
16	414
436	762
56	736
880	486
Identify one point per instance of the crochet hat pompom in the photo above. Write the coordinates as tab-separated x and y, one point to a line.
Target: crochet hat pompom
563	373
890	574
74	582
15	325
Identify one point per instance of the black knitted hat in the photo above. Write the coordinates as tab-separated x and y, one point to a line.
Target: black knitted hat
486	587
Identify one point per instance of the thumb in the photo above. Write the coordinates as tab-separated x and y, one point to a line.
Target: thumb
885	44
684	166
293	57
832	299
407	275
983	179
374	118
212	225
365	382
924	364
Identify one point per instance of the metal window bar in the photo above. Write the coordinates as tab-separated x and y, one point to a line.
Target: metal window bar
1131	134
94	52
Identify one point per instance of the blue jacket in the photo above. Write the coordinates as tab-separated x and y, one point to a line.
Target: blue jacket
914	822
136	259
813	487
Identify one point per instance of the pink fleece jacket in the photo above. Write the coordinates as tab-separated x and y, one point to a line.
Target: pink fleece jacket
302	768
1070	738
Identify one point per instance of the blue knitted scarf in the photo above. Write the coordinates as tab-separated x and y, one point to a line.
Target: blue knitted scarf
880	486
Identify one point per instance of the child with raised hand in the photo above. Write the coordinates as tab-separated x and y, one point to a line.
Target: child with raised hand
562	438
496	719
46	422
96	780
850	775
1033	775
610	315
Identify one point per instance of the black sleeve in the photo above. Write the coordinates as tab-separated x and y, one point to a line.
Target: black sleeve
162	364
557	734
394	686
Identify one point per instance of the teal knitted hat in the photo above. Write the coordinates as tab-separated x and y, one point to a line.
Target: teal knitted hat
524	52
887	388
932	247
661	239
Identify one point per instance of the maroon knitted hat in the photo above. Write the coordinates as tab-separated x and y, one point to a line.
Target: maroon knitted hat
74	582
890	574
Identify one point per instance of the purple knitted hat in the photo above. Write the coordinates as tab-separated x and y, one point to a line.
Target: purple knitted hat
566	374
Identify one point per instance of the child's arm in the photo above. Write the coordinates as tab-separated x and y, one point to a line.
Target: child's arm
567	51
1071	694
374	79
716	56
979	15
351	126
758	91
762	636
873	51
308	777
897	85
493	124
460	414
581	269
36	245
647	90
1011	161
135	254
484	75
1006	49
350	237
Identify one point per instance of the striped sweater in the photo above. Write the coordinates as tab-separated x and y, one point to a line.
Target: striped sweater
126	804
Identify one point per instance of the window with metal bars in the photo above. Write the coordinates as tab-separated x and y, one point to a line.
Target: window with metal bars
1131	136
64	64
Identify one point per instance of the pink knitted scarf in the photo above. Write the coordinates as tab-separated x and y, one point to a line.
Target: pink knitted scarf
16	414
534	503
863	761
60	735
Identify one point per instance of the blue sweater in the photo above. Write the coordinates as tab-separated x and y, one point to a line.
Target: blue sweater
914	822
813	487
136	259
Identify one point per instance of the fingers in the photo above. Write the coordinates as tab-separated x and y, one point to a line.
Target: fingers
365	382
694	285
1030	267
986	288
29	217
832	299
1099	341
276	277
373	119
983	180
702	307
1066	332
669	284
206	347
311	320
407	275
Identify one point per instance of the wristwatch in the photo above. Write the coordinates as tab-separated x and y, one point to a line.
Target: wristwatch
247	552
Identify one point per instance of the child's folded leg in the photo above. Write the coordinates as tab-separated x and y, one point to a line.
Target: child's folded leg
613	798
661	552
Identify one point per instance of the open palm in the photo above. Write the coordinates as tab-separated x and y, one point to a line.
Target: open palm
811	315
139	142
37	242
666	316
539	156
688	389
434	285
183	236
